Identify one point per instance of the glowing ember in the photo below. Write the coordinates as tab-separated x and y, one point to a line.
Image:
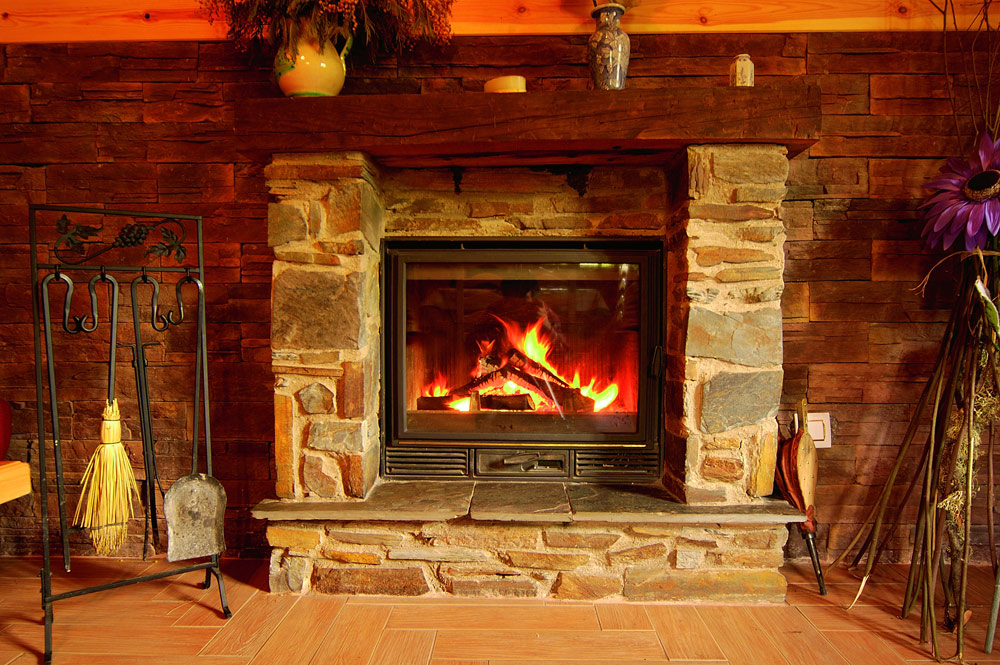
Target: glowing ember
461	404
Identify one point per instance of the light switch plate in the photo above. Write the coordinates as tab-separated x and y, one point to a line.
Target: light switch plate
819	429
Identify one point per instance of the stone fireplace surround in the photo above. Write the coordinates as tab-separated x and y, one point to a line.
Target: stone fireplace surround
717	206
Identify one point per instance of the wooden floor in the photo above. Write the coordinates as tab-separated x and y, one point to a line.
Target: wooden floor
174	621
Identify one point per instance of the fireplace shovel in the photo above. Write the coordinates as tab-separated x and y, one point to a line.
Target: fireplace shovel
194	506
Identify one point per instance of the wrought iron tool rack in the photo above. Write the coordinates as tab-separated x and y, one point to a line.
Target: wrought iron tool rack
73	253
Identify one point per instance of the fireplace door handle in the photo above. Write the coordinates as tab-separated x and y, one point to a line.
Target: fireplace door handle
656	363
527	461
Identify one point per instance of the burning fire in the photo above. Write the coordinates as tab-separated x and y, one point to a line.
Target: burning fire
437	389
440	389
535	345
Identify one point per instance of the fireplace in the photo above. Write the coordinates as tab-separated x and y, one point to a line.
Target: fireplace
415	286
522	359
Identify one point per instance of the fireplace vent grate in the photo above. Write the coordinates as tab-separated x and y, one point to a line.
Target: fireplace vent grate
422	462
617	464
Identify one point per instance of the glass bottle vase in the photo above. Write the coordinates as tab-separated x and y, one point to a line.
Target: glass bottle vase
608	48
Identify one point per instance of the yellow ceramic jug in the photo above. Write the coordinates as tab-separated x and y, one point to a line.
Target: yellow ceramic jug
312	73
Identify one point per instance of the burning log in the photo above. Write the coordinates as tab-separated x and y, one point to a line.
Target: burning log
569	399
506	402
523	362
428	403
516	368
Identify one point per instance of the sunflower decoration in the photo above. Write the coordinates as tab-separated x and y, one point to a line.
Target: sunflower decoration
966	200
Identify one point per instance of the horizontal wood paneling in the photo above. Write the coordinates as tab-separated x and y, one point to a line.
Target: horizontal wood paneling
100	20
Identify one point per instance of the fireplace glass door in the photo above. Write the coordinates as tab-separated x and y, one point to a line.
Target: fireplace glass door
520	344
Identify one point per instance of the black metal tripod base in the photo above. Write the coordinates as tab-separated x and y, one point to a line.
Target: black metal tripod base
214	570
210	567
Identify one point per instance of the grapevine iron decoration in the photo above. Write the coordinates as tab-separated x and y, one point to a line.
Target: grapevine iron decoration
74	238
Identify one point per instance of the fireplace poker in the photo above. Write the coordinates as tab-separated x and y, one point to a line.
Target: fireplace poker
140	364
53	410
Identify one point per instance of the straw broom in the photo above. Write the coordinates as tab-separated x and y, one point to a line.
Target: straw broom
107	507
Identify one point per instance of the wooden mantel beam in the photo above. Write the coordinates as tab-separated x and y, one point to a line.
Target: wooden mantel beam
112	20
544	127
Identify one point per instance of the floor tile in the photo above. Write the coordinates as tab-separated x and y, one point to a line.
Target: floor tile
863	647
404	647
546	645
740	640
7	657
158	621
465	617
683	633
353	636
118	639
300	633
249	629
796	638
621	616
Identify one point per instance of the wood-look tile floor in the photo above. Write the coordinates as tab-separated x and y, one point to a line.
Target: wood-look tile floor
174	621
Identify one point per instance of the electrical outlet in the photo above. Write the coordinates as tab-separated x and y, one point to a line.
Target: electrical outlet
819	429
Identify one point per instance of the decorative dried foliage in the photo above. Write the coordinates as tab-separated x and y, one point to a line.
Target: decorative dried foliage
959	403
385	26
960	400
971	72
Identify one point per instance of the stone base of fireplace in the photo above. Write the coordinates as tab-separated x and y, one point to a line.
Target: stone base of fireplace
538	540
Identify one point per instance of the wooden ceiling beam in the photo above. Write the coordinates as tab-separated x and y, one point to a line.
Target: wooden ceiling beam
122	20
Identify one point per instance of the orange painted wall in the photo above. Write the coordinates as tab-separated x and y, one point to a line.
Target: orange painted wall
100	20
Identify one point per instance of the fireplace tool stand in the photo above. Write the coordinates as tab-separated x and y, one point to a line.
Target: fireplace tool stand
73	253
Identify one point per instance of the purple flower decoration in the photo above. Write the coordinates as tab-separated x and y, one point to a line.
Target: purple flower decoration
965	201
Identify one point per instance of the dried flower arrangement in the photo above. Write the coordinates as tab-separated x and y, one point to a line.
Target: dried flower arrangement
383	25
960	403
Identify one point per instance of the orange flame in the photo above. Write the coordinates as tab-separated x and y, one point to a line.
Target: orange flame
437	389
601	399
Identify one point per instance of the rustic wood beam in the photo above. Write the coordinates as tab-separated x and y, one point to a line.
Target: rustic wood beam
545	127
114	20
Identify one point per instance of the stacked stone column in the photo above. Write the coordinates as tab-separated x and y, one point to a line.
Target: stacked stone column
724	307
325	228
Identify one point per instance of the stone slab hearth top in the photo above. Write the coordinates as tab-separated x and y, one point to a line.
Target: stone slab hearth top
429	500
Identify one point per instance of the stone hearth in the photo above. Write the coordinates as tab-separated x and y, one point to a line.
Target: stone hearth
336	529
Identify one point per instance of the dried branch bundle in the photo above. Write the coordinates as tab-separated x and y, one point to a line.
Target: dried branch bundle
385	26
960	403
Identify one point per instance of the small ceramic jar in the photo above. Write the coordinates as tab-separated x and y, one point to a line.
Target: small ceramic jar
741	71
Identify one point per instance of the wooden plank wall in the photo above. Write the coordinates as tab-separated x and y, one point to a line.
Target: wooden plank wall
149	125
105	20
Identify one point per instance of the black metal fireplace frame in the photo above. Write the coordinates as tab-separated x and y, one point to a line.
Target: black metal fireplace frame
628	457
